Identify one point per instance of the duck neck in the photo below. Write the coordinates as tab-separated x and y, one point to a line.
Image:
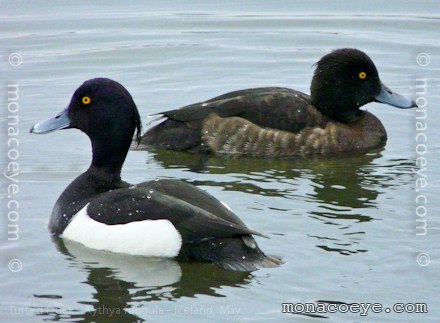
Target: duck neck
109	155
342	111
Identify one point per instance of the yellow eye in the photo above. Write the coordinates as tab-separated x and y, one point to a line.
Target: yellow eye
362	75
86	100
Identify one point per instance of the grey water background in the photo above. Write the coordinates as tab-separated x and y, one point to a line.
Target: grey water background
346	226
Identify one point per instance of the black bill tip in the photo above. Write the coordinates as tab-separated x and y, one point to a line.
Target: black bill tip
387	96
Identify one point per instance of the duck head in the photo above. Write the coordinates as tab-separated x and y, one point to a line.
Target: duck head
346	79
105	111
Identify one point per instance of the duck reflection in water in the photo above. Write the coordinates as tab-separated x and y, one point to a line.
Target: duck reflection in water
344	191
126	285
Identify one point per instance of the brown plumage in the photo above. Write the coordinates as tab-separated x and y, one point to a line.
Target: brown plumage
282	122
238	136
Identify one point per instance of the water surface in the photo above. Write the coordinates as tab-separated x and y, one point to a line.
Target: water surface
345	226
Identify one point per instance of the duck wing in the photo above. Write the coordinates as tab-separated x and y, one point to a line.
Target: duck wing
267	108
271	107
150	201
194	196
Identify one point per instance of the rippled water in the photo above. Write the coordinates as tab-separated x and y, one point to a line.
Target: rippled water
346	226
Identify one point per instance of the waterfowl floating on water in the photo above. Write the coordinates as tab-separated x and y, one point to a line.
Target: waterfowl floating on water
159	218
282	122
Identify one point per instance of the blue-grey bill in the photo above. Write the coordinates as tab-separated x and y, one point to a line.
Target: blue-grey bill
395	99
60	121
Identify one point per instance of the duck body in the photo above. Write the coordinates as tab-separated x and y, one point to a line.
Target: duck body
282	122
177	219
263	122
160	218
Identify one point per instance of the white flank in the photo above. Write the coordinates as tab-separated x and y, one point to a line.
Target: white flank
150	238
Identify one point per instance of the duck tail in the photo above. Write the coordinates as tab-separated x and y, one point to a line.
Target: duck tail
247	256
172	134
265	261
236	253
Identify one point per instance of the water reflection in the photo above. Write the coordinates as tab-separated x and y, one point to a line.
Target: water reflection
339	191
125	283
351	181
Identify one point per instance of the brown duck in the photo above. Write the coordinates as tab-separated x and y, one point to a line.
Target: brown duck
282	122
